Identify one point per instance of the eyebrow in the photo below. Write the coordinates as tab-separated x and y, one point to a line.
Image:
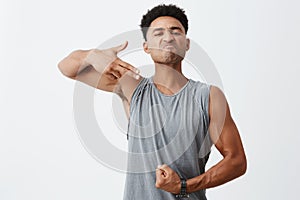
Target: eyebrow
175	28
158	29
172	28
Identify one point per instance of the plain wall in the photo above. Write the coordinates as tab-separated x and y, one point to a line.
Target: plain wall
253	44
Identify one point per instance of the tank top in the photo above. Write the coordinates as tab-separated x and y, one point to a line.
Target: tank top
166	129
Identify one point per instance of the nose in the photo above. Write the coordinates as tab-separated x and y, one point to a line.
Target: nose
168	37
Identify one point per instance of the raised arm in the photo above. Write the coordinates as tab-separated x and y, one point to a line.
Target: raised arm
102	69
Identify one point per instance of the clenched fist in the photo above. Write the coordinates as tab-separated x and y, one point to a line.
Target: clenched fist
167	179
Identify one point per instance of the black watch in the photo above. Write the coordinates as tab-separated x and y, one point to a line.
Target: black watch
182	193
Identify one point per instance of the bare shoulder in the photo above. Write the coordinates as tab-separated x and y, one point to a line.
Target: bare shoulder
126	87
125	90
218	105
218	112
216	94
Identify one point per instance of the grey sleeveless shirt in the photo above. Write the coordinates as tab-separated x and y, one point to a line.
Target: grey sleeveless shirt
166	129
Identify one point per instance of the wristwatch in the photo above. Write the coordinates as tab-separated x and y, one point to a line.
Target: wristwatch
183	193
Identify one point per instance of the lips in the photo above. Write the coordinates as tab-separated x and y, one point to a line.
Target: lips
168	47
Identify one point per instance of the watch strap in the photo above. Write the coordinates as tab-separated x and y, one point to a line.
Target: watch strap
183	193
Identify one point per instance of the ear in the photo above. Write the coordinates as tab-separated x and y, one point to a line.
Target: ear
187	44
146	47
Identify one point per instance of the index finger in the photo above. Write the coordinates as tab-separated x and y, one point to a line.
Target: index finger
127	66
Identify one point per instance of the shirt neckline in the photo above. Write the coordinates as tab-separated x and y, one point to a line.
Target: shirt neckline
172	95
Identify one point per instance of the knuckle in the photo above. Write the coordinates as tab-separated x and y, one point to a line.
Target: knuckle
157	185
159	182
111	66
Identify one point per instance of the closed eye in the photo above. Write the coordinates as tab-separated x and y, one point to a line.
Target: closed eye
158	33
176	33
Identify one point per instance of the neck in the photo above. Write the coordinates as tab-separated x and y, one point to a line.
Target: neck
169	78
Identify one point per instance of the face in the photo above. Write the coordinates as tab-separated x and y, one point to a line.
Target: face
166	41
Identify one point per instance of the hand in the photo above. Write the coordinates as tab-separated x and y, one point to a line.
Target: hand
106	62
167	179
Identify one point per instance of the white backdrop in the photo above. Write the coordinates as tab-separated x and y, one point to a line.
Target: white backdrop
254	44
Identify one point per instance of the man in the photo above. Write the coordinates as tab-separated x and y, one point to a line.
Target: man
173	120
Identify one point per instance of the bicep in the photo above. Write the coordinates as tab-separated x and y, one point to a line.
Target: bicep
222	128
229	141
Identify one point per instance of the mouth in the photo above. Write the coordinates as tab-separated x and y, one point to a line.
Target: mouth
168	47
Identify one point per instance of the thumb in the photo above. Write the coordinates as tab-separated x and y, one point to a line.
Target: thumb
160	171
121	47
159	175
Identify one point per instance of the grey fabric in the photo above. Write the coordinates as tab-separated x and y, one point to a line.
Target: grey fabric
166	129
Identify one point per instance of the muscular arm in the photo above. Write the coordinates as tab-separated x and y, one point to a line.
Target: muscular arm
226	138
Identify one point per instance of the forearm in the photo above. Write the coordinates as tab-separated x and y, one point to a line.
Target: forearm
74	63
226	170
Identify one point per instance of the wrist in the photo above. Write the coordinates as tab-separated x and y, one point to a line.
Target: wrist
81	59
178	187
183	189
86	58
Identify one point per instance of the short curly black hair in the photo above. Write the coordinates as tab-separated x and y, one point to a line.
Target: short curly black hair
163	10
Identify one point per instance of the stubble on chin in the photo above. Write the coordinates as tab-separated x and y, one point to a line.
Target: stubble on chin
166	57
